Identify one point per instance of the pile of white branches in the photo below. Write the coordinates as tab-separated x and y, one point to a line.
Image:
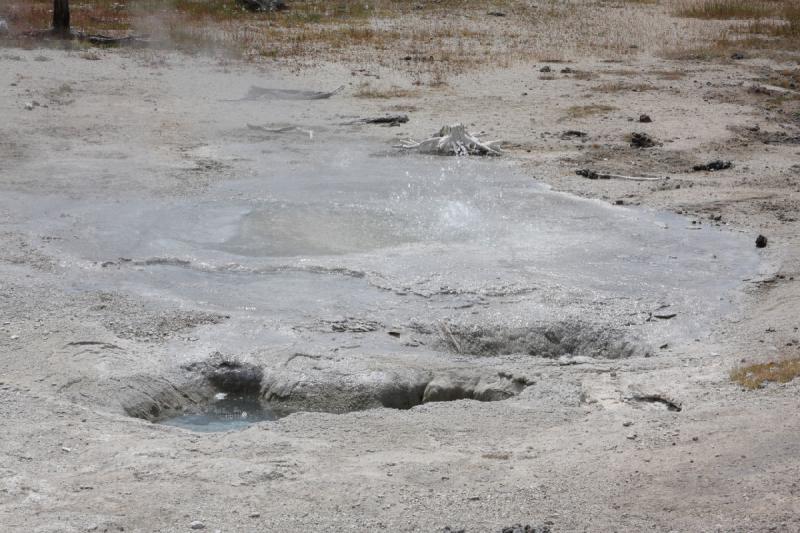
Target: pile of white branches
453	140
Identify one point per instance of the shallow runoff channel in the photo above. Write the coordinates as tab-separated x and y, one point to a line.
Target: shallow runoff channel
367	259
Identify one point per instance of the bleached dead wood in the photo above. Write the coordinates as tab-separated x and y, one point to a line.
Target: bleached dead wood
453	140
284	129
594	175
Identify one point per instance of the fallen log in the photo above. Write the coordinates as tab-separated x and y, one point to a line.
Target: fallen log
95	39
388	120
595	175
257	93
284	129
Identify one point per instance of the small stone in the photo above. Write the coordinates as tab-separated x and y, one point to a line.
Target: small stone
761	242
197	524
713	166
645	119
255	515
545	69
627	423
631	436
29	106
642	140
737	56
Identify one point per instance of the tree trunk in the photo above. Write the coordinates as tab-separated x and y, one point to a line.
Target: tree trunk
61	17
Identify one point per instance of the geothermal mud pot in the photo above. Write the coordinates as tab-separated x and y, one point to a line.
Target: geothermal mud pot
332	276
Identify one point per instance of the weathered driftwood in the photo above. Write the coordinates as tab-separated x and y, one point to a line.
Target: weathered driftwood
258	93
105	40
770	90
453	140
594	175
284	129
448	337
96	39
388	120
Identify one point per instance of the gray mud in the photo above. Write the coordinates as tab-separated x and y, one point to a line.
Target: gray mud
356	278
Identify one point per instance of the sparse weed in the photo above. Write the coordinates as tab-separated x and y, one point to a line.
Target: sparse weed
769	26
366	90
754	376
724	9
585	111
620	86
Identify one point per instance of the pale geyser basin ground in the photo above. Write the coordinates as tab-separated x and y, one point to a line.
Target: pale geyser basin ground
328	246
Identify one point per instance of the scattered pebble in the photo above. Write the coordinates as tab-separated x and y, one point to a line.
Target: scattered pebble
545	69
761	242
197	524
645	119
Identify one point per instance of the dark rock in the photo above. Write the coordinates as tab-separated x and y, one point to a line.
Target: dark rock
545	69
588	173
713	166
263	5
642	140
574	134
761	242
567	70
496	14
519	528
737	55
390	120
645	119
